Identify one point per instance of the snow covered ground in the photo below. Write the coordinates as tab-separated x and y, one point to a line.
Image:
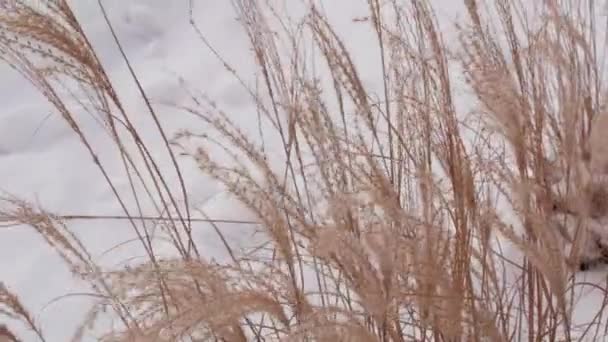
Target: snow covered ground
43	161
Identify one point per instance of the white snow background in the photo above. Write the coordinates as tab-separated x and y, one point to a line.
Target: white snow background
43	161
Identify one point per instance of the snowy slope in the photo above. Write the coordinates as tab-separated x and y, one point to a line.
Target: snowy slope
41	160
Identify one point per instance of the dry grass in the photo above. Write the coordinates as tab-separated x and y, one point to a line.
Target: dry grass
385	217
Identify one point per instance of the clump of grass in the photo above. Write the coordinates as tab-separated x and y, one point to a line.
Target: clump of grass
384	217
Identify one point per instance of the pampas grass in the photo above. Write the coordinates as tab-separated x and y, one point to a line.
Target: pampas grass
385	218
